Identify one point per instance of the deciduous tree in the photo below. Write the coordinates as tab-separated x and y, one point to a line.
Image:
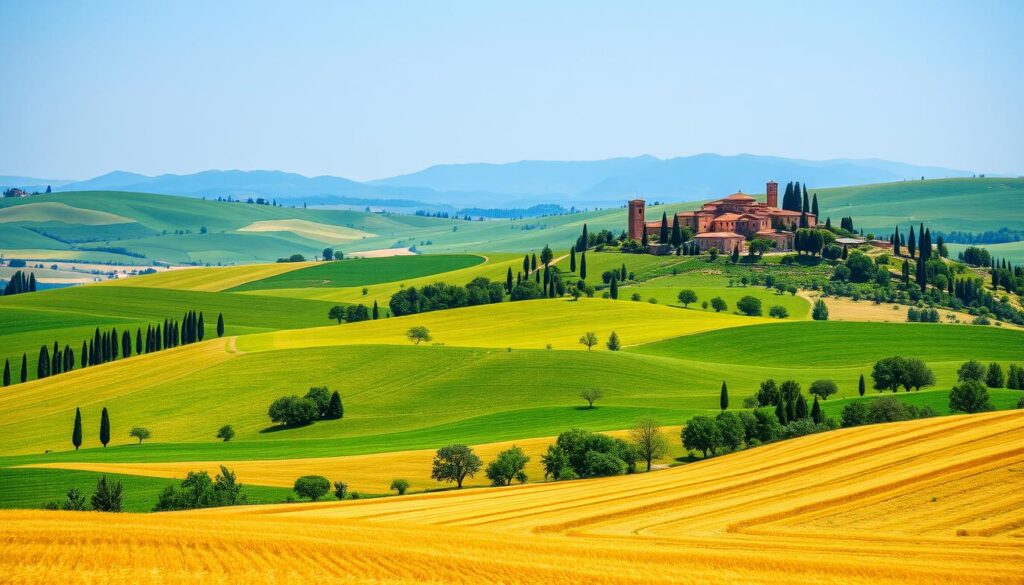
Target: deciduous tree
454	463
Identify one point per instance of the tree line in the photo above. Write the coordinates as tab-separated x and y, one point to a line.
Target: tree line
20	283
107	346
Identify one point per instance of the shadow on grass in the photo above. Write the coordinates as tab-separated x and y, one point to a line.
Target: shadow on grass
279	428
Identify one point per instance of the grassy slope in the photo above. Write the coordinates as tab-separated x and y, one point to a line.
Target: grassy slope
351	273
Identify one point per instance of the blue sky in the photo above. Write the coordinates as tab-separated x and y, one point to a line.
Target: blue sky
371	89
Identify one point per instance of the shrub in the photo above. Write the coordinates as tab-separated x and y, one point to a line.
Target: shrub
994	376
731	429
971	371
778	311
293	411
340	489
597	464
750	306
718	304
889	409
400	486
636	297
199	491
855	414
969	396
313	487
567	458
108	497
321	397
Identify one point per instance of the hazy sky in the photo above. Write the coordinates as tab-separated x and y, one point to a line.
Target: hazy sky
371	89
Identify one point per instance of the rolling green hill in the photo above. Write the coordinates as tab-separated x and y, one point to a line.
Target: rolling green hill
167	228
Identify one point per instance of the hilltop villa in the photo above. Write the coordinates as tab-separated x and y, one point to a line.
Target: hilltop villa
727	223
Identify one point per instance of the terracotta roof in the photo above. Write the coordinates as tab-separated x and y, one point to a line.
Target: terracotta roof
727	217
786	212
738	197
719	235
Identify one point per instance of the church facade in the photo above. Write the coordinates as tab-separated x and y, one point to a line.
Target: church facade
727	223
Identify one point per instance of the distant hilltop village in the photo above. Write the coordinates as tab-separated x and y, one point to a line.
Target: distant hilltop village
729	223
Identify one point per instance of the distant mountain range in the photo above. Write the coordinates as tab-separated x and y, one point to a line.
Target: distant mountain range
598	183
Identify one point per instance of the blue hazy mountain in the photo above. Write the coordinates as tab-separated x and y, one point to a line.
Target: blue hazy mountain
29	183
526	183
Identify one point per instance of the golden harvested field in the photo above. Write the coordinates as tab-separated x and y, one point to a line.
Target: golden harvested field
210	279
928	501
846	309
321	232
365	473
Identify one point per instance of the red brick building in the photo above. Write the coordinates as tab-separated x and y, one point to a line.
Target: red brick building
727	223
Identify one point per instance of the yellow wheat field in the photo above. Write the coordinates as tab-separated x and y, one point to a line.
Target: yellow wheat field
929	501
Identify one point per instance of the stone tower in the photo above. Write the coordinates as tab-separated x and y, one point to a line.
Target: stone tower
773	194
636	219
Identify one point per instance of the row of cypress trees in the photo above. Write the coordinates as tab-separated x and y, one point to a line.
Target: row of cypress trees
109	346
76	433
795	199
20	283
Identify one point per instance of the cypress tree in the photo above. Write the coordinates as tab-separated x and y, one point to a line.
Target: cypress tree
814	205
643	238
138	341
85	354
896	242
508	283
376	310
113	344
104	427
780	412
663	233
613	288
335	409
911	243
126	344
572	264
807	204
860	385
32	282
928	244
43	363
735	254
526	264
200	327
24	368
547	276
801	407
533	262
723	398
583	266
787	199
536	276
69	358
677	233
157	339
220	324
56	360
791	410
816	415
939	247
584	239
76	434
7	372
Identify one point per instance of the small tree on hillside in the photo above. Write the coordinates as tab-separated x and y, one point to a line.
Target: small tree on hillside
335	409
508	465
337	313
400	486
546	255
994	377
328	254
719	304
226	433
750	306
140	433
220	325
820	311
823	389
702	434
723	397
453	463
588	339
104	427
969	396
686	296
613	343
76	433
648	440
313	487
971	371
591	395
860	385
418	334
108	497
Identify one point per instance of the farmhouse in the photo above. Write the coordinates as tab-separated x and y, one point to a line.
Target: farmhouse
728	223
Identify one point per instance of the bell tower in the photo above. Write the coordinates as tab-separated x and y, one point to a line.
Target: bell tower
773	194
636	219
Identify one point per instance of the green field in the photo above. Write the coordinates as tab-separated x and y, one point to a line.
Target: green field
1012	251
348	273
